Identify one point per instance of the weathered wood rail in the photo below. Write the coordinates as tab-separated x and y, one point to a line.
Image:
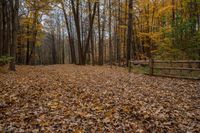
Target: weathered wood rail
169	65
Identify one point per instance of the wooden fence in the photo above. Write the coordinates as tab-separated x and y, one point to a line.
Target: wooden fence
188	66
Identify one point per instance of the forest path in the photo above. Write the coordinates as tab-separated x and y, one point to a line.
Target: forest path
86	99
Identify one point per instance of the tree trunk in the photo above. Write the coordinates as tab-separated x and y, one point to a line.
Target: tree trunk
77	25
99	35
130	31
71	43
90	32
110	36
15	11
1	39
54	61
27	47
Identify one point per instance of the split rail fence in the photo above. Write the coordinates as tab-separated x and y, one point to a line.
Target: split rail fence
182	66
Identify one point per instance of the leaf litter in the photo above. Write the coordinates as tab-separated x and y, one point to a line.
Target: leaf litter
70	98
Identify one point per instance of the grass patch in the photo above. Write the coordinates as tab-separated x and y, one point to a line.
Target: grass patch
140	69
5	60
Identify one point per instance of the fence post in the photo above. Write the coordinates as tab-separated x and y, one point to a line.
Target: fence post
170	62
129	66
151	64
199	64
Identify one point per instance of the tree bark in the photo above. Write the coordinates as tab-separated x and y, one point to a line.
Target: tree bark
71	44
90	32
75	11
15	10
110	35
130	31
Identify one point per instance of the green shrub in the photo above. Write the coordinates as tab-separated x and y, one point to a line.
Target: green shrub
5	60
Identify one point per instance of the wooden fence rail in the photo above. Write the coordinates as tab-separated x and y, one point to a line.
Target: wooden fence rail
186	65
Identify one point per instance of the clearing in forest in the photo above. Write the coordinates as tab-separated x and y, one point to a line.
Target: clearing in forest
70	98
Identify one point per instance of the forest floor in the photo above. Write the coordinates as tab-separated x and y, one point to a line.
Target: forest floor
70	98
